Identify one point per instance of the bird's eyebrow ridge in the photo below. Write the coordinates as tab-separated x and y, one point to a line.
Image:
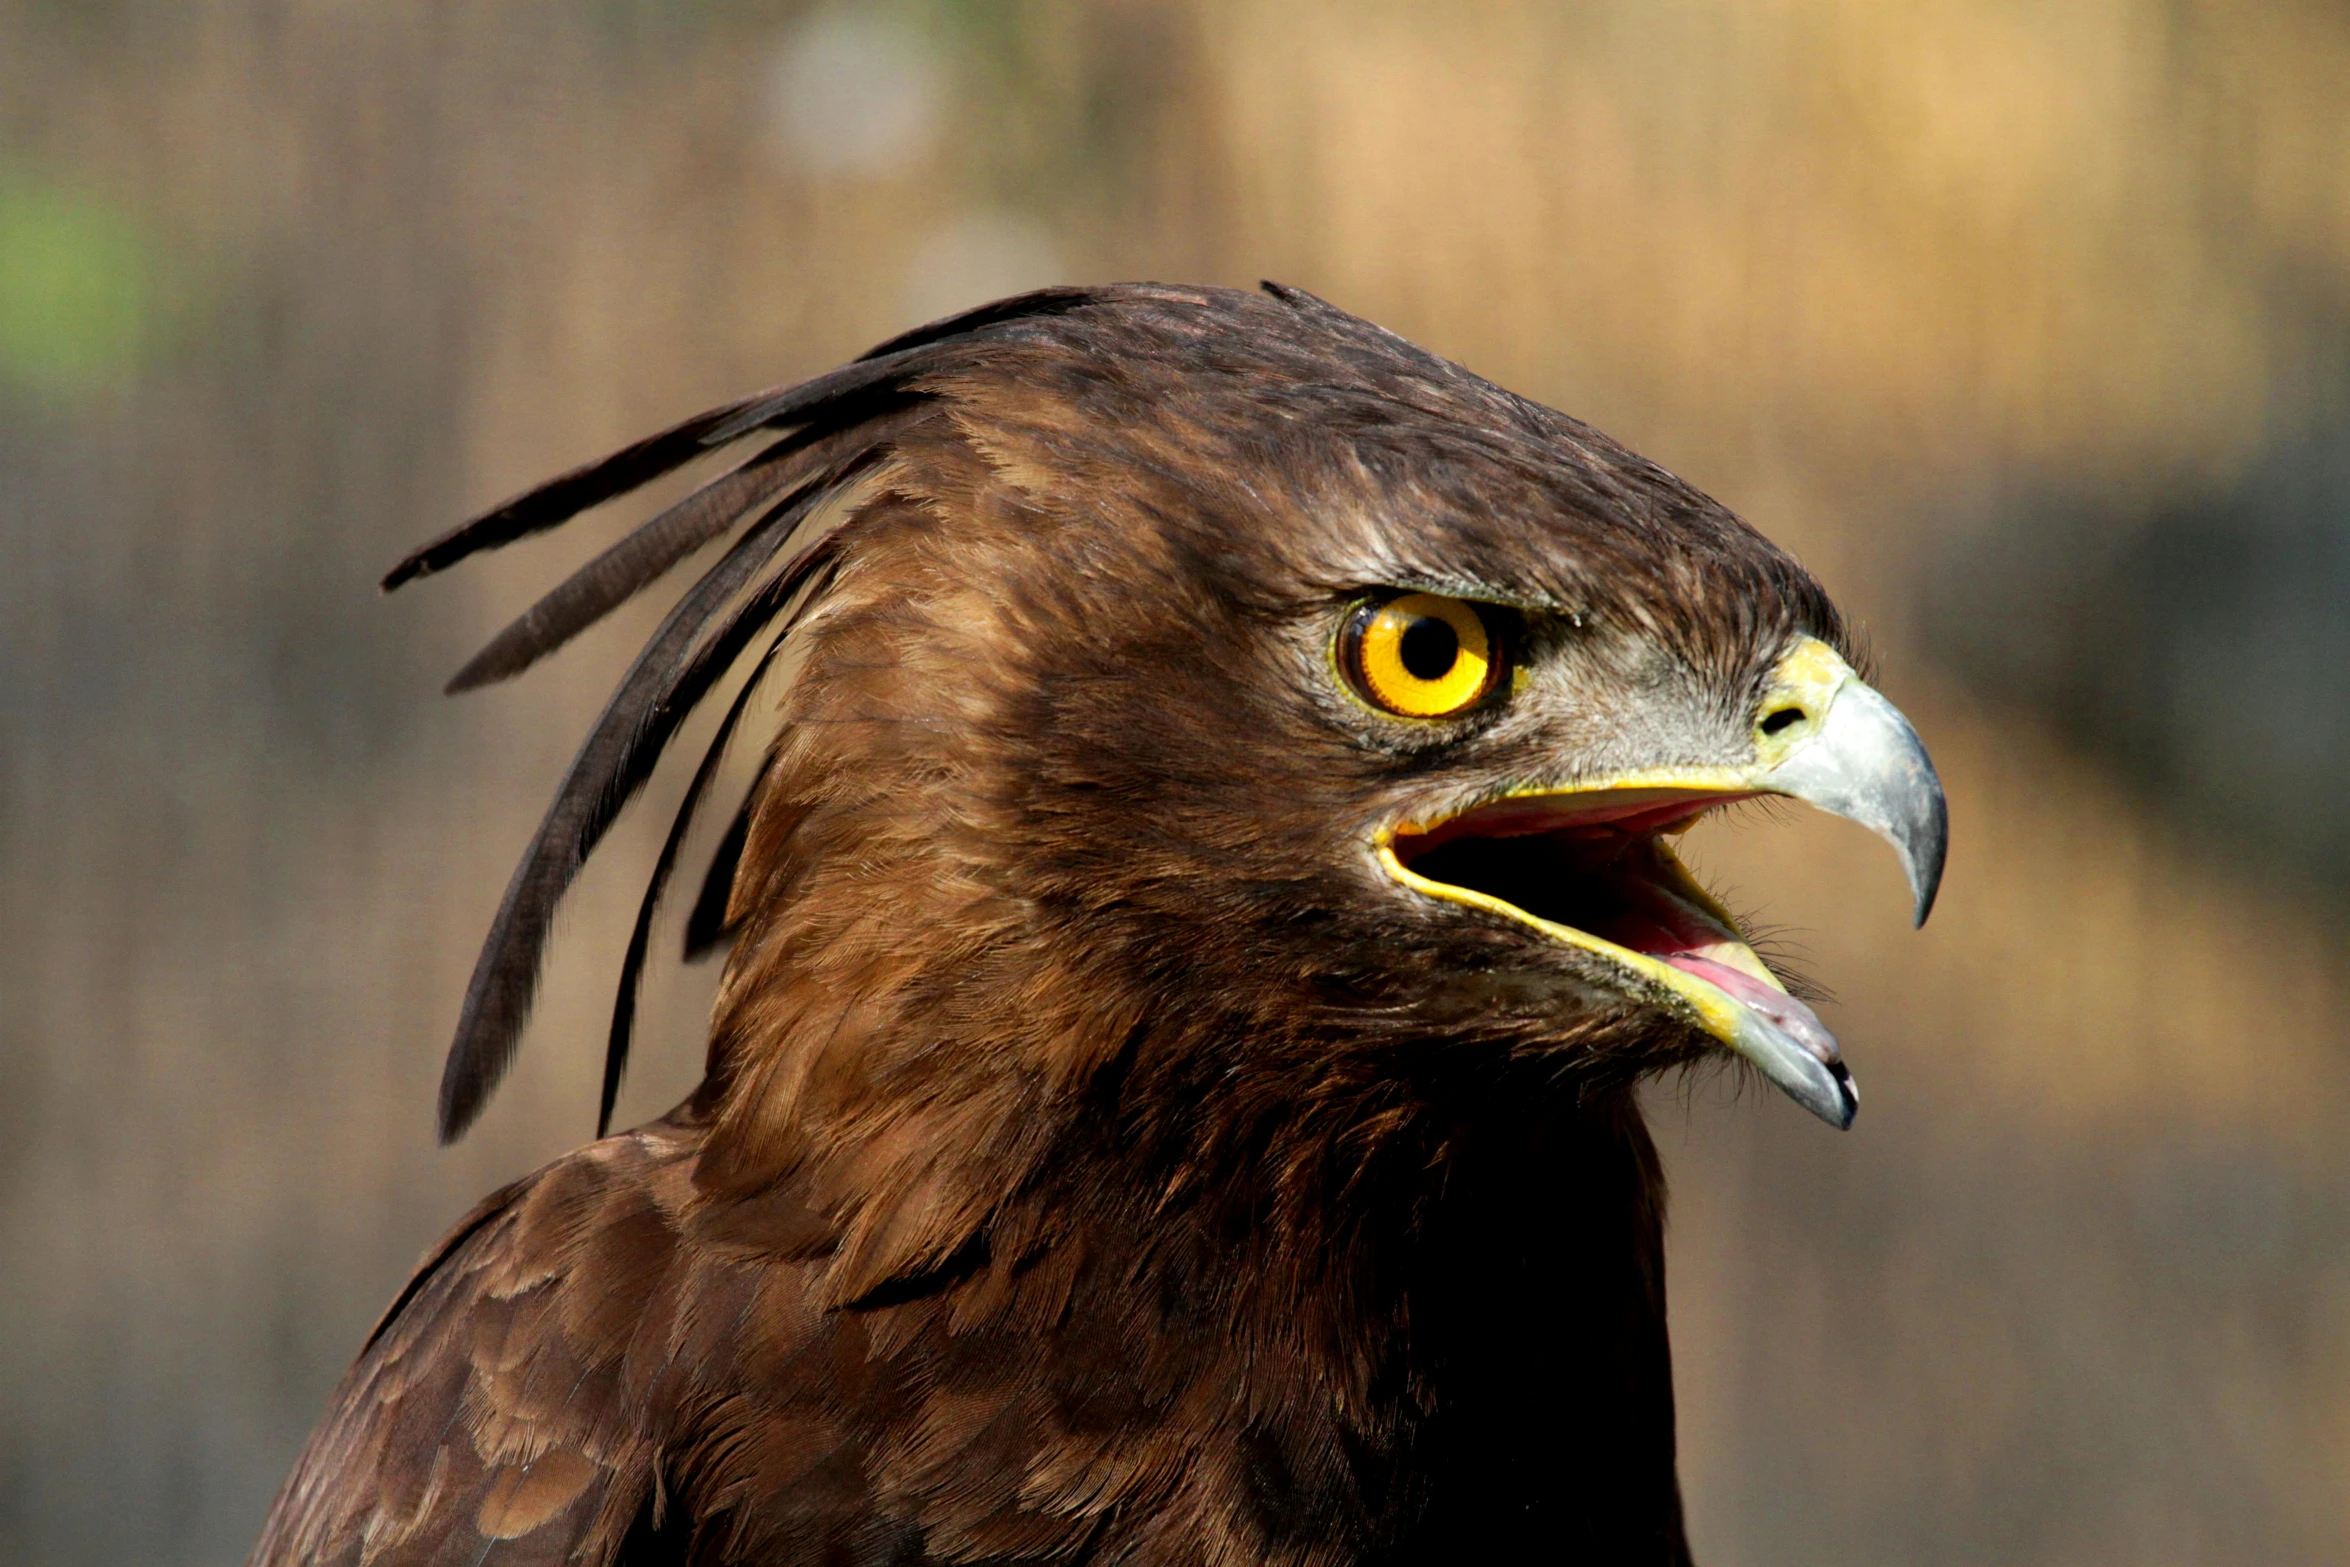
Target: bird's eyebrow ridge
1482	591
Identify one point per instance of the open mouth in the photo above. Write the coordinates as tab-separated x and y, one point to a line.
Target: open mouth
1595	869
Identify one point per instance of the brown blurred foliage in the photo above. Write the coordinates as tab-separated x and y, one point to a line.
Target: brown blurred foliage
287	286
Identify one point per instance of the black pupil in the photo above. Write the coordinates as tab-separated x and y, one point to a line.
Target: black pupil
1430	648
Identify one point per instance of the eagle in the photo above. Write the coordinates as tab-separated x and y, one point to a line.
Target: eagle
1204	900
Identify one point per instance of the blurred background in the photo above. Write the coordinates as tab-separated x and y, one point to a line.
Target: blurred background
2025	322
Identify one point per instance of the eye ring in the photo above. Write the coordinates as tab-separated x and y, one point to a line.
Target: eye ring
1421	655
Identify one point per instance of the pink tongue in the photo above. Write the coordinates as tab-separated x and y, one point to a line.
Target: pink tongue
1791	1017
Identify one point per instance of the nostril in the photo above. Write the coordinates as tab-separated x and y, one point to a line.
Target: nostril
1781	719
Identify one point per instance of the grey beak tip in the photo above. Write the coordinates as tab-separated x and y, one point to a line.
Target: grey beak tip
1813	1077
1927	881
1849	1093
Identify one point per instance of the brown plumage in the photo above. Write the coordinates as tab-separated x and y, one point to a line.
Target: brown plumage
1103	1156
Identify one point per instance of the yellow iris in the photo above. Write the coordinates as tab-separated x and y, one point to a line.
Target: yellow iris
1421	655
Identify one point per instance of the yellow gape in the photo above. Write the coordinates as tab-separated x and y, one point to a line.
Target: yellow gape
1421	655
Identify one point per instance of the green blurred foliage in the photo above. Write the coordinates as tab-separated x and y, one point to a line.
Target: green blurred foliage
77	289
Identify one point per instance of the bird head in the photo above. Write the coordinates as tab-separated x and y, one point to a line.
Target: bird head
1207	686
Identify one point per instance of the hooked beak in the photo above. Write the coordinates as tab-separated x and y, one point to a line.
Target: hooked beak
1853	755
1588	865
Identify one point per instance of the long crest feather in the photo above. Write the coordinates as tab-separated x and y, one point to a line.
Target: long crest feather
807	585
638	560
669	678
825	434
647	552
706	925
562	498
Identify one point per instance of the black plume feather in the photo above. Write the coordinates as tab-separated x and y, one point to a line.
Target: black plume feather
562	498
632	965
660	689
617	575
1036	305
706	924
641	558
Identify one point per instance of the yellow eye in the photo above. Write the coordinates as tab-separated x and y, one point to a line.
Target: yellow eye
1420	655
